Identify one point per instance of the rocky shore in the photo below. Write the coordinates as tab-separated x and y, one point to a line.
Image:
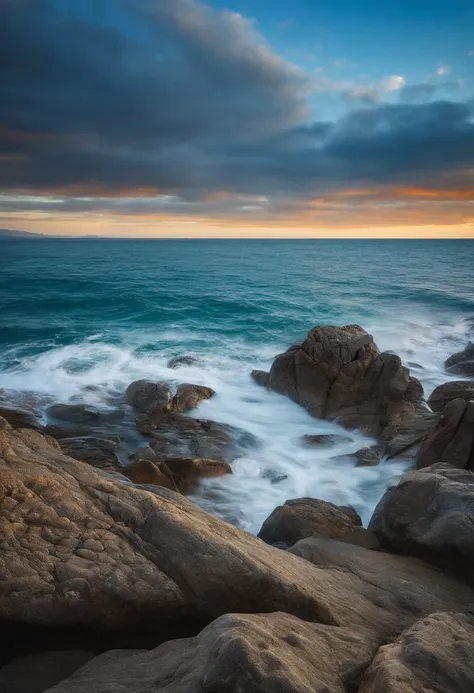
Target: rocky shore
112	580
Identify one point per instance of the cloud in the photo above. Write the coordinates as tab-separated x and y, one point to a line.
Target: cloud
443	70
427	91
393	83
471	54
177	108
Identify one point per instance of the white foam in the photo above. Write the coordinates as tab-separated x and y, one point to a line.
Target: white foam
68	372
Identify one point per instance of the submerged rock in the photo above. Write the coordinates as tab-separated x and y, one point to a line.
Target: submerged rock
338	373
99	452
462	362
189	396
445	393
430	513
83	414
367	457
183	360
326	440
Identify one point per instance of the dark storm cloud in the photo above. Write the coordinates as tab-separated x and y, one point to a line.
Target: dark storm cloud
173	96
426	91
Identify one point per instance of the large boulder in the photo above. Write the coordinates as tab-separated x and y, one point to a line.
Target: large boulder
338	373
462	362
307	517
146	472
430	513
433	655
83	414
80	548
452	439
445	393
188	396
145	395
237	653
406	587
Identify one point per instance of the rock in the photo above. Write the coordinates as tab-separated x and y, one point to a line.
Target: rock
405	434
145	395
189	396
60	432
435	654
82	414
339	374
18	418
187	471
260	377
452	439
445	393
177	435
150	473
306	517
35	673
326	440
462	362
406	587
145	453
273	476
99	452
413	364
238	653
81	549
367	457
430	513
182	360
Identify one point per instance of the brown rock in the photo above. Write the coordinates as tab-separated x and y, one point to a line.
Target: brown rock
83	414
451	441
445	393
367	457
238	653
462	362
187	471
149	473
78	548
339	374
189	396
260	377
145	395
306	517
430	513
435	654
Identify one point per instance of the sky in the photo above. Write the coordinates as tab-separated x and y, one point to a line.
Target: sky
237	118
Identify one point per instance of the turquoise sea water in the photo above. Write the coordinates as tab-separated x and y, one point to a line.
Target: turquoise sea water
81	313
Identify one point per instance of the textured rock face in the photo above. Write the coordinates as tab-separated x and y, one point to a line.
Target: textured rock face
338	373
435	654
188	396
445	393
462	362
451	441
82	414
430	513
81	548
144	395
270	653
307	517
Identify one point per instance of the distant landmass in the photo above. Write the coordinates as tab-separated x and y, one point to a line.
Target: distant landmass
14	233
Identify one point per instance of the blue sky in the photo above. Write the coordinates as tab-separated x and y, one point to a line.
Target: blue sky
158	116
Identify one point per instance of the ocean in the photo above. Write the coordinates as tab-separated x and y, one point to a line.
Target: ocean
82	318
